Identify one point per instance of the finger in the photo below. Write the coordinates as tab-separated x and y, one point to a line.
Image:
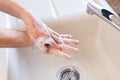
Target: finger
55	33
66	36
70	41
68	48
59	53
58	40
54	45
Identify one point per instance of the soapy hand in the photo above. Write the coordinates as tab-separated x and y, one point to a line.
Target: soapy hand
49	41
61	41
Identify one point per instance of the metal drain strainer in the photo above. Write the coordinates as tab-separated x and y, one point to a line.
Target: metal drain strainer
69	73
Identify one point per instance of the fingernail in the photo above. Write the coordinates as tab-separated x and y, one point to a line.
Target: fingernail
76	50
77	41
68	57
70	36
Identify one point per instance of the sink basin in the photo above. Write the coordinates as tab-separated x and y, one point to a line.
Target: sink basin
99	54
98	58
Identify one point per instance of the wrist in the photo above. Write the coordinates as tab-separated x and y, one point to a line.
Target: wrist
28	16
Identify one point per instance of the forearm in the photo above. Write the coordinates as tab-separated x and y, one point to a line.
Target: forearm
12	8
14	38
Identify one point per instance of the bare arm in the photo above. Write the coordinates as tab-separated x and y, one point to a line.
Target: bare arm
14	38
12	8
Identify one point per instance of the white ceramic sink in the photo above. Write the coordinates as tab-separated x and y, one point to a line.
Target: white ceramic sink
98	58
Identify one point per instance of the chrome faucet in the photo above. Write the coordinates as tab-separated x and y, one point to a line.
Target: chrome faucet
106	15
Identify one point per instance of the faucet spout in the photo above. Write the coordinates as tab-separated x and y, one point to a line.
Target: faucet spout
106	15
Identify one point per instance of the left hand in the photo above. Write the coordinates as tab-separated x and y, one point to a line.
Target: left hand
61	41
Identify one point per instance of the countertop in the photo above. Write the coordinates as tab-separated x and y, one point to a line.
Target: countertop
115	4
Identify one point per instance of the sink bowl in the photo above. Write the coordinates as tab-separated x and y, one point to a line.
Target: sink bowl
99	55
98	58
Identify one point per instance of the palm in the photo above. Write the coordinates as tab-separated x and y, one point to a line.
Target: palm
48	41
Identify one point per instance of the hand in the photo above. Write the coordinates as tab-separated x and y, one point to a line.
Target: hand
49	41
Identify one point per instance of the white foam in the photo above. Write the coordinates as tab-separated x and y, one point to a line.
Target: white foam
39	44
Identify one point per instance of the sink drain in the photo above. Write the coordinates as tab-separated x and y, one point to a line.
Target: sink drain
69	73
